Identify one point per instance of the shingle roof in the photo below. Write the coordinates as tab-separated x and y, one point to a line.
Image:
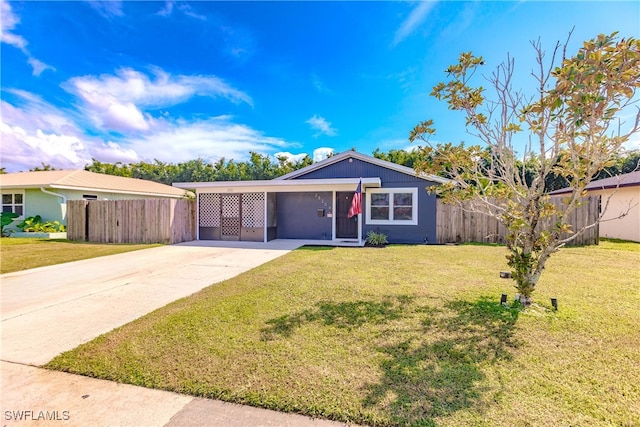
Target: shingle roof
85	180
364	158
626	180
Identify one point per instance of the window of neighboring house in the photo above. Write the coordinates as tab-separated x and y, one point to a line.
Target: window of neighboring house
13	202
90	197
395	206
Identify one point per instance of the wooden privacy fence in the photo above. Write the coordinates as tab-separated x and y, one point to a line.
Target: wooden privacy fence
454	224
132	221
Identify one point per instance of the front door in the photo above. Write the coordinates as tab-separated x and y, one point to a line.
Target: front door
346	228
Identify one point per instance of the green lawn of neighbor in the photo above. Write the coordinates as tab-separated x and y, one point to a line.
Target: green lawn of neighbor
404	335
23	253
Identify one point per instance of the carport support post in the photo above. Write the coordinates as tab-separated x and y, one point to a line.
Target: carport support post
197	215
265	225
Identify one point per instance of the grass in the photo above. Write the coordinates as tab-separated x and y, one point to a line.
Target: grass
406	335
23	253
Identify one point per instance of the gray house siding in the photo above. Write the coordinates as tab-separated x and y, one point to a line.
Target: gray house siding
424	232
298	216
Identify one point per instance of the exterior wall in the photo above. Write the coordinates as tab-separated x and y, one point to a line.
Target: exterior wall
628	227
297	215
49	207
424	232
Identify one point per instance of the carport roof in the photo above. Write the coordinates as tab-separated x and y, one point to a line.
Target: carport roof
280	186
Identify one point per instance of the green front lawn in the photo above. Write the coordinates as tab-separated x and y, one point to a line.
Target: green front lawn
23	253
405	335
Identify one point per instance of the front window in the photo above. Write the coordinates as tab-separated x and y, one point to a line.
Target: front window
397	206
13	202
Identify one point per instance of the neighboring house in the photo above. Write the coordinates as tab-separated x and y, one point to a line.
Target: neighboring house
45	193
623	195
313	203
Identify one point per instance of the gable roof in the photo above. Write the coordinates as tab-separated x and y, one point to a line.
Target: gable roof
87	181
626	180
355	155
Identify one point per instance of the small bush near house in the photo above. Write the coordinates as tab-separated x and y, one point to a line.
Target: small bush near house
34	224
6	218
376	239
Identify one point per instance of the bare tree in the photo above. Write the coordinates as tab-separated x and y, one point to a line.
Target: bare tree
573	130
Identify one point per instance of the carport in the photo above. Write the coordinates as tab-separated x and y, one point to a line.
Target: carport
261	211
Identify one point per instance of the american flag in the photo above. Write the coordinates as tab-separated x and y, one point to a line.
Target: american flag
356	202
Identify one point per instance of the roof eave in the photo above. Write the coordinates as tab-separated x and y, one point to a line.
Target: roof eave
347	184
107	190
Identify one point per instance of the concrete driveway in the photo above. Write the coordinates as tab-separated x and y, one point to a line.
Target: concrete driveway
48	310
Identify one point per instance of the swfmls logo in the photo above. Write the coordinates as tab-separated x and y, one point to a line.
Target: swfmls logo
36	415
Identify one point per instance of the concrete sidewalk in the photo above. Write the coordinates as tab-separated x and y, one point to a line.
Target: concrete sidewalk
61	399
48	310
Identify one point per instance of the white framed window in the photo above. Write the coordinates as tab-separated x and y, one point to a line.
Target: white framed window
392	206
13	202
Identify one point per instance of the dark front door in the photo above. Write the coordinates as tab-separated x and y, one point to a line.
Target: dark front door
346	228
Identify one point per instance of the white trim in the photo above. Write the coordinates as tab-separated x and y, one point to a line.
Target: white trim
333	217
273	186
91	189
13	205
106	190
266	205
197	216
391	191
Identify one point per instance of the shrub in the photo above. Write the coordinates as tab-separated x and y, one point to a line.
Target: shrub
6	218
34	224
376	239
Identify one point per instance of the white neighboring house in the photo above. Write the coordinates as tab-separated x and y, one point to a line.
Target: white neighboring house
624	193
45	193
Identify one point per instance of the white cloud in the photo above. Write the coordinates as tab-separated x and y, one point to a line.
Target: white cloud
7	25
322	153
38	66
35	113
111	152
23	149
168	9
108	8
188	11
35	132
116	101
633	143
291	157
417	16
322	126
209	139
319	85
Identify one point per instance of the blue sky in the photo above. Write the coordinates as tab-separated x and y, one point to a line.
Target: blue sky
130	81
